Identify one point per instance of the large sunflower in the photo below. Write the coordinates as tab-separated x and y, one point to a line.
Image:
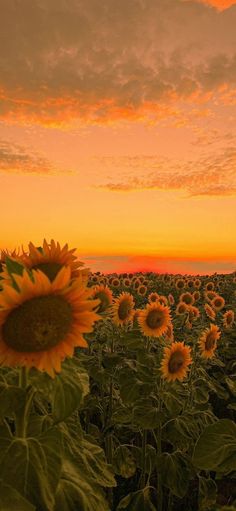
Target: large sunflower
208	341
123	309
177	358
51	258
154	319
42	322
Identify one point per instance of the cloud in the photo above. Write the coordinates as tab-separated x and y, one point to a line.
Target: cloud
211	174
99	62
17	159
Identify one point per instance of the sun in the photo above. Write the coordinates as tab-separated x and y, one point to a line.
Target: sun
42	322
177	358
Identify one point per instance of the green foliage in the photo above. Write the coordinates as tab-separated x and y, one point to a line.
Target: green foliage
216	448
137	501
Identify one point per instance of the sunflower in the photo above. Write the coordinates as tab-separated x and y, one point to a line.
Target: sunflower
51	258
154	319
210	286
169	335
196	296
197	283
180	283
123	309
209	295
228	319
181	308
115	282
142	290
187	298
194	313
126	282
171	299
177	358
136	283
153	297
105	296
163	300
218	303
209	311
208	341
190	284
42	322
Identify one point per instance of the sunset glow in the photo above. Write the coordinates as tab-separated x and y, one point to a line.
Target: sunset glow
117	131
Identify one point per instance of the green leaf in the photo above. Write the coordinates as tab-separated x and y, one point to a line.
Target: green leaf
123	462
12	399
137	501
216	447
33	466
69	389
175	472
146	415
75	492
207	493
11	499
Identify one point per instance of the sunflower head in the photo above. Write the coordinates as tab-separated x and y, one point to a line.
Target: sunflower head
190	284
218	303
187	298
104	294
154	319
181	308
228	319
171	299
177	358
142	290
210	286
42	321
123	309
153	297
209	311
196	296
209	295
208	341
115	282
50	258
180	284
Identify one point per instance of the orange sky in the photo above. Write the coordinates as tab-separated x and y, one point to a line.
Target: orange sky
121	145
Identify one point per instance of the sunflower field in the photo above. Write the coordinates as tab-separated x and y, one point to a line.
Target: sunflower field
117	392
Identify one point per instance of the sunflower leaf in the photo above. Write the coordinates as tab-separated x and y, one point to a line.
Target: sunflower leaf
216	447
69	389
11	499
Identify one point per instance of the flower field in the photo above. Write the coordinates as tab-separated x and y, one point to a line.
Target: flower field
117	392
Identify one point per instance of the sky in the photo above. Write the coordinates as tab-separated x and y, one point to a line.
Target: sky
118	131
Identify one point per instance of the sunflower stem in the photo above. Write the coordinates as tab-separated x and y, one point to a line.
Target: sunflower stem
159	451
144	448
23	377
22	417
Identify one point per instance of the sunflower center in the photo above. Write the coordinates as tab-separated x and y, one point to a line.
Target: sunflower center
104	301
175	363
38	324
210	341
154	319
124	309
50	269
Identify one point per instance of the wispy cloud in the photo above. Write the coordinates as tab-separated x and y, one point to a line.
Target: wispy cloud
212	174
64	61
17	159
